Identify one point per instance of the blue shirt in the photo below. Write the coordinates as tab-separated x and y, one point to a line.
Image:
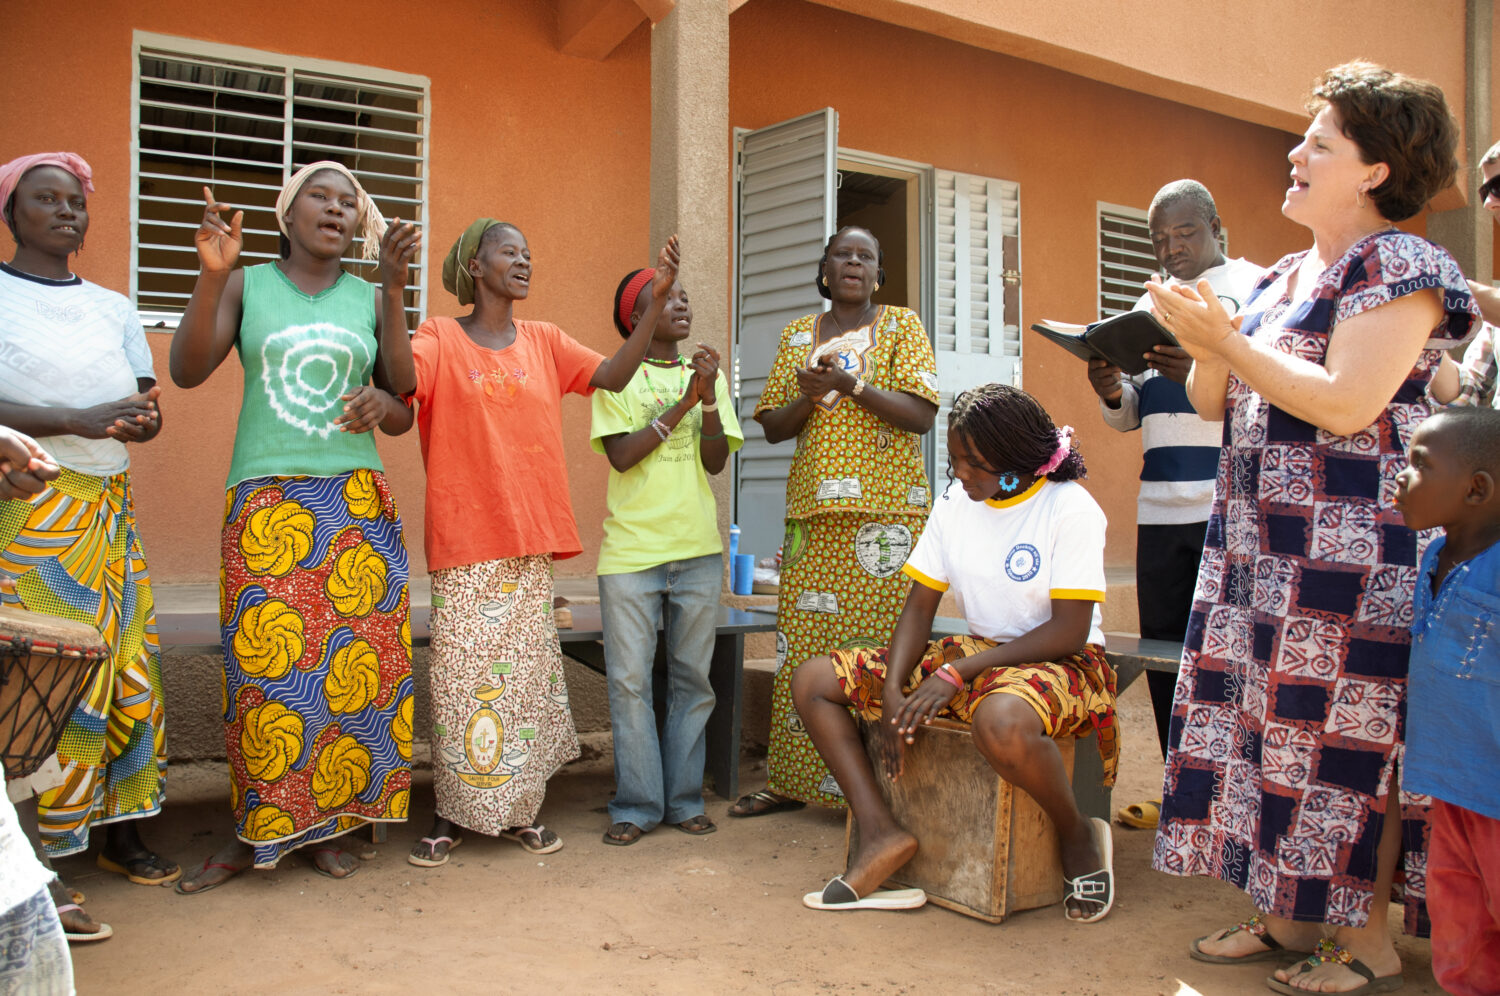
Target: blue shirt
1453	695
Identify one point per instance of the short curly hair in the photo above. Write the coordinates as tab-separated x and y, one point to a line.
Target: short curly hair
1397	120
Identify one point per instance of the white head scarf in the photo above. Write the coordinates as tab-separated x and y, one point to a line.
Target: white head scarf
371	222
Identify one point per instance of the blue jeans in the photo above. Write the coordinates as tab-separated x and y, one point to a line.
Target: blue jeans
661	779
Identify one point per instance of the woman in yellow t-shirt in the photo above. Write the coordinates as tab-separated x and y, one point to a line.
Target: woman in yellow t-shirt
661	564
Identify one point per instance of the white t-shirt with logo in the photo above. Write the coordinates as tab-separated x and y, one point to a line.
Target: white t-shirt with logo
1006	559
70	344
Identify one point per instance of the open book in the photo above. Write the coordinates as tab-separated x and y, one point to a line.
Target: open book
1122	340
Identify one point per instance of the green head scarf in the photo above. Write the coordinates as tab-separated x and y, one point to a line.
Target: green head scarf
456	276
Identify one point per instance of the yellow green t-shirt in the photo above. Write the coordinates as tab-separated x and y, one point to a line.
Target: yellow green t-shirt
661	509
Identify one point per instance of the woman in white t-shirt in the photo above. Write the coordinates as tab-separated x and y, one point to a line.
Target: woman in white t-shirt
1023	549
76	374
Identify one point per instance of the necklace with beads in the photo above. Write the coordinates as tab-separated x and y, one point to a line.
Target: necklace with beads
651	383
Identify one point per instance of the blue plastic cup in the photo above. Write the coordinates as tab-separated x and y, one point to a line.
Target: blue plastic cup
742	573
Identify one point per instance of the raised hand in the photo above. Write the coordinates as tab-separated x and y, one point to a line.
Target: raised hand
1195	316
398	247
218	242
666	269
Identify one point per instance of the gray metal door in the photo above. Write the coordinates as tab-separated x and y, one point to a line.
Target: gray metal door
786	206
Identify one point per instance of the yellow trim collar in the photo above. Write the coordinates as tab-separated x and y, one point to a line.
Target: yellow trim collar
1008	502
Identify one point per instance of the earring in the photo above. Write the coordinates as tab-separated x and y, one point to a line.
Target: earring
877	287
1009	482
823	279
1359	197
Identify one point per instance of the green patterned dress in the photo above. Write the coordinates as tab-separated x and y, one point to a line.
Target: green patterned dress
857	498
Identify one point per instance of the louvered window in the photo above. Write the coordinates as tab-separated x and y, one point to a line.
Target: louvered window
978	314
242	122
1125	258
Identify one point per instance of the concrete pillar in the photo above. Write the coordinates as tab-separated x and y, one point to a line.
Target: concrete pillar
1466	232
690	171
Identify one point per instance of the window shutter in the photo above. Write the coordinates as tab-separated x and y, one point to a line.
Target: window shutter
978	334
786	207
243	127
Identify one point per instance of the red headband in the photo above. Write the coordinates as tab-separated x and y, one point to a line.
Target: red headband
631	293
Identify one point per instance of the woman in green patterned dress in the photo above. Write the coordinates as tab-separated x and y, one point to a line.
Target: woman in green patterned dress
857	387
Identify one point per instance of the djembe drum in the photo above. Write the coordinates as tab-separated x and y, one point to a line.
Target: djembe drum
45	664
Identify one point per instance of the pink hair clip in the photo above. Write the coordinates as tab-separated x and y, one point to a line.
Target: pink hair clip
1064	447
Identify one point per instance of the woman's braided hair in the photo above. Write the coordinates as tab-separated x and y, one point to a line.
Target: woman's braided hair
1011	432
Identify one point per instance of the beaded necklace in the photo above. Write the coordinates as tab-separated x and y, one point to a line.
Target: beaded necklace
651	385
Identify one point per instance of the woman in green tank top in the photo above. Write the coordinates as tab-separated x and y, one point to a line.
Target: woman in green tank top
313	604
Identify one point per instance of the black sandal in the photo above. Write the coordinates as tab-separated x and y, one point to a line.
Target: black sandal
764	803
623	834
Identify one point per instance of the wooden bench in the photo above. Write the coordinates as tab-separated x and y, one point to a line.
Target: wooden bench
198	632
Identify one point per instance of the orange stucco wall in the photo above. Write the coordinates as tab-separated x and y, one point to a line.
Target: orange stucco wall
557	145
1251	60
1069	142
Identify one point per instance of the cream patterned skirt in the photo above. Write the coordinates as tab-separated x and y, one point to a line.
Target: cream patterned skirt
501	722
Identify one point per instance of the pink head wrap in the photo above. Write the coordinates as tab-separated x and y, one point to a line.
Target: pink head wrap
1064	447
11	172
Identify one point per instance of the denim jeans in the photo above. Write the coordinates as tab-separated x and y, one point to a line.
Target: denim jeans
660	779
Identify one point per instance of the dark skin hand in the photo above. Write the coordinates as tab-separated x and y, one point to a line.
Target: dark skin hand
25	468
367	408
1062	635
135	418
627	449
1172	362
898	409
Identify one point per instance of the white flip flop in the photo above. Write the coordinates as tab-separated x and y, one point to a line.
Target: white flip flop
837	895
1098	886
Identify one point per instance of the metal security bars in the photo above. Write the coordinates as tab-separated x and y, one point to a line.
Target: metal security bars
243	126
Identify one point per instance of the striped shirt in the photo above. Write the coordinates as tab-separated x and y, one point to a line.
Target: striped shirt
1180	451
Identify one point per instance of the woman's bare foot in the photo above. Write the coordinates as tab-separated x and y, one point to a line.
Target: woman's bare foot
1290	934
224	865
879	856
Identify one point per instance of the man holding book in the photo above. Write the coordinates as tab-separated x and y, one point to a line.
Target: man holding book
1180	450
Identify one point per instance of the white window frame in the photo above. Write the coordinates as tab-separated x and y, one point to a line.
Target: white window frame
162	321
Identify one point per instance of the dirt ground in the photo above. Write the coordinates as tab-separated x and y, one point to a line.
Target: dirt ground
673	913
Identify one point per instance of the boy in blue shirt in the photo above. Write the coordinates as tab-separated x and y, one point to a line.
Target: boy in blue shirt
1453	694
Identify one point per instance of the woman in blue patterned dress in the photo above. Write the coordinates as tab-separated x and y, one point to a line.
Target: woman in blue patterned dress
1283	774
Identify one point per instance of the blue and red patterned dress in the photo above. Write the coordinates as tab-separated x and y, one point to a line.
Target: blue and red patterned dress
1287	724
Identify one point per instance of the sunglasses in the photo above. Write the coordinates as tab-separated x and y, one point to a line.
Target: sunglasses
1490	188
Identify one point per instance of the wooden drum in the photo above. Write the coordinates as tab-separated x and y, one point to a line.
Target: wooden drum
46	662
